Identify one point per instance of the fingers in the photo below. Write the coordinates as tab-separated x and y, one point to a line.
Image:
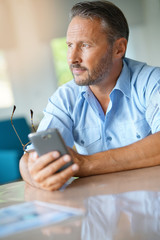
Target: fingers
43	170
52	168
57	180
43	161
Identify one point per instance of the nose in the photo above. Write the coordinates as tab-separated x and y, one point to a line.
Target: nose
74	56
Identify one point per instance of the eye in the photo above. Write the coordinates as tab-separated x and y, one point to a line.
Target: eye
85	45
69	45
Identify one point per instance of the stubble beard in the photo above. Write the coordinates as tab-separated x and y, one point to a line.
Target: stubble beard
98	74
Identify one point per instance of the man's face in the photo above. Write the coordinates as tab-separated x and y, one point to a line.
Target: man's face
89	55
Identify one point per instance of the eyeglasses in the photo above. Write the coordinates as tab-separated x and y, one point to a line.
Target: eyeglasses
23	145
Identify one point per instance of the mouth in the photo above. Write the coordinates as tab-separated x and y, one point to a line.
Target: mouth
78	71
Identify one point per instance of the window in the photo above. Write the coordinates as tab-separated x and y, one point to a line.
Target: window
59	50
6	95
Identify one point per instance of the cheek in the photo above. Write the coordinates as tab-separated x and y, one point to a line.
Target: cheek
89	59
92	58
91	62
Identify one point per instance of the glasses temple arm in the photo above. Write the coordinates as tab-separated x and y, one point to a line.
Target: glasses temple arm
31	111
14	108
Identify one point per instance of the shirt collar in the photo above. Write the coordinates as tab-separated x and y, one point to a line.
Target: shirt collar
123	83
84	89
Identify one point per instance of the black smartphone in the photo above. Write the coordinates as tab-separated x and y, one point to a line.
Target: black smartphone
48	141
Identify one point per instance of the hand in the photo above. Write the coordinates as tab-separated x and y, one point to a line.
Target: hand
43	170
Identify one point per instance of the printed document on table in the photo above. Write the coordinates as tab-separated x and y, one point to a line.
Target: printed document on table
28	215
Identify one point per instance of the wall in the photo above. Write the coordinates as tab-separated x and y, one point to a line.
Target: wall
144	37
31	24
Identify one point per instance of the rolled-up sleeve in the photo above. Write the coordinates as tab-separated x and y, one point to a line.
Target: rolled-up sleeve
153	102
56	115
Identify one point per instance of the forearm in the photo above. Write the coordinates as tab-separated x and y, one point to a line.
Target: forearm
144	153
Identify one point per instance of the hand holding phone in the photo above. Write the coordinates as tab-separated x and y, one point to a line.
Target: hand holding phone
48	141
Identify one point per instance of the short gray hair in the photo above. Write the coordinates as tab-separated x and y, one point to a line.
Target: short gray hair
112	18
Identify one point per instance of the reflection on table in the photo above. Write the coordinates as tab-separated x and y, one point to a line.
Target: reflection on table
119	206
132	215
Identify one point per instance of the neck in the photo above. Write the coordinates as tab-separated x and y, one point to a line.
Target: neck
103	89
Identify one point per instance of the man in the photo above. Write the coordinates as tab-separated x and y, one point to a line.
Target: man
110	111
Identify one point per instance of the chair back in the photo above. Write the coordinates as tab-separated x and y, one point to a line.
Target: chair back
11	149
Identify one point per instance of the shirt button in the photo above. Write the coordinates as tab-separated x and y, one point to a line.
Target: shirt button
138	136
109	138
82	142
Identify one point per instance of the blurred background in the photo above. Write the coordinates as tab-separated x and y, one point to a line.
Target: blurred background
33	50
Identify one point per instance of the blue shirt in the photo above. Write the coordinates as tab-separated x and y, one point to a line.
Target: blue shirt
133	112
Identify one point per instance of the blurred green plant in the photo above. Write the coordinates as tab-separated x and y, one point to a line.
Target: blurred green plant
59	50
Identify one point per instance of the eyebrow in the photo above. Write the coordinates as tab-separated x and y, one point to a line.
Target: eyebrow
83	41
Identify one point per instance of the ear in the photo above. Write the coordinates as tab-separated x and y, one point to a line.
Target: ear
120	47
